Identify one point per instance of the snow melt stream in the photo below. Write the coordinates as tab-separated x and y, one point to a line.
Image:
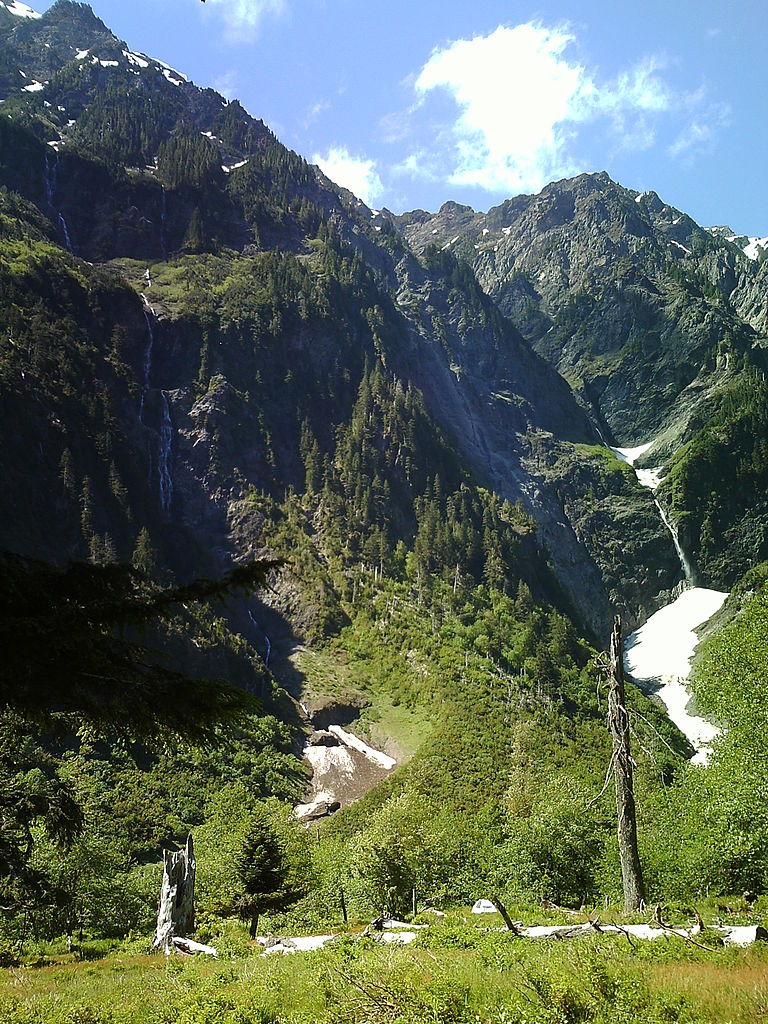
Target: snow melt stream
659	653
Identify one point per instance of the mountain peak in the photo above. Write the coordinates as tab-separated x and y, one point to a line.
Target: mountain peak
36	47
451	208
68	14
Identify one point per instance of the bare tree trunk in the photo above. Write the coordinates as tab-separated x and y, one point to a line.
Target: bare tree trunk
618	723
343	905
504	914
176	913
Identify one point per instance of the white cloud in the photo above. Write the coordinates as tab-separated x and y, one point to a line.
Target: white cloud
355	173
226	84
244	16
700	134
695	136
315	111
516	94
640	88
523	100
420	165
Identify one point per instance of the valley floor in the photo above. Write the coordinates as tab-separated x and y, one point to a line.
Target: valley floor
462	970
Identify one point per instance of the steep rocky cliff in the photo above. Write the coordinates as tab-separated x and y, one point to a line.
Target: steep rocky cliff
652	319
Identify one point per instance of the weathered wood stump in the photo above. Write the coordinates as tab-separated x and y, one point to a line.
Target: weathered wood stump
176	912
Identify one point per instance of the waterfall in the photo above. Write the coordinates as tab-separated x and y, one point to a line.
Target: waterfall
147	358
67	239
162	226
50	179
165	441
651	478
688	572
164	457
51	175
269	644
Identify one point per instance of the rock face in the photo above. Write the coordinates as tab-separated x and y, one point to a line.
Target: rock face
325	711
654	321
602	280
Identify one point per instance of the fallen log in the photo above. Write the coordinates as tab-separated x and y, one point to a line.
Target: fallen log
298	944
383	930
735	935
190	947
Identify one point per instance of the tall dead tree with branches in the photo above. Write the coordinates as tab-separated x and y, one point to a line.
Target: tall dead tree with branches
618	723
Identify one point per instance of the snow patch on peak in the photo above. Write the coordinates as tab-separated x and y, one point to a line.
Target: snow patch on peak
135	59
753	249
20	10
168	67
81	54
167	74
680	246
34	87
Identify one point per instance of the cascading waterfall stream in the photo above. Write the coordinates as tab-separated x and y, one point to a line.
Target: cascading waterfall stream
684	561
51	173
162	225
658	654
269	644
165	441
164	457
65	231
147	365
50	179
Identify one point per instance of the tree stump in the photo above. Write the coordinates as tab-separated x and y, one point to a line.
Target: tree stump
176	912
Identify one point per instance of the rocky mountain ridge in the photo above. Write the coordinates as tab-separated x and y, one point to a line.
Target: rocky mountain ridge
652	319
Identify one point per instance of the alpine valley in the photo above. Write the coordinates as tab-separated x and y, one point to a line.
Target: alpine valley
455	445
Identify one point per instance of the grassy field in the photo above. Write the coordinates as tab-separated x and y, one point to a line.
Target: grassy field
457	971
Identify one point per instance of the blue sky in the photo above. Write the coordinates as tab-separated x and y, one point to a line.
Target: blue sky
413	102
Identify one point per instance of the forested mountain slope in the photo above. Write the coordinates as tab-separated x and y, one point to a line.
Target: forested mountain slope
188	181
